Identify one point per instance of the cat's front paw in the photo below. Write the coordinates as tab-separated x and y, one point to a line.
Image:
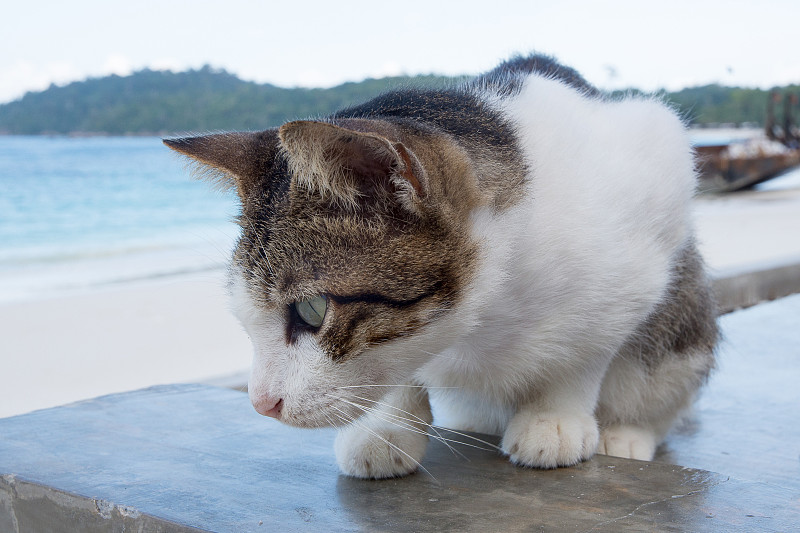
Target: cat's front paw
377	452
550	440
630	442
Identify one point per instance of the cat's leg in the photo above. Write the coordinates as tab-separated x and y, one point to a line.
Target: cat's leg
629	441
639	402
390	440
558	428
464	410
658	371
626	411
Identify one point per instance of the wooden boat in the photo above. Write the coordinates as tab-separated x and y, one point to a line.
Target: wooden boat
723	168
735	165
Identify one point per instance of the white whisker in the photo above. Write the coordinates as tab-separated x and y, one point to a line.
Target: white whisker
398	385
434	427
409	425
440	355
388	443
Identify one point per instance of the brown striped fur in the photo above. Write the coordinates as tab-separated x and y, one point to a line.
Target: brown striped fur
368	212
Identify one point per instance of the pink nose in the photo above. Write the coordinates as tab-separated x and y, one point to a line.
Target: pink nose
268	406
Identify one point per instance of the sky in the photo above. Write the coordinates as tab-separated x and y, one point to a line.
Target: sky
614	44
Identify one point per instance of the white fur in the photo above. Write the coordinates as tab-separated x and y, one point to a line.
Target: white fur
630	442
565	277
606	211
650	398
548	439
390	440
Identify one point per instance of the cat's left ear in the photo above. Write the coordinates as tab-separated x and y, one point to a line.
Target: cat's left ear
236	159
350	167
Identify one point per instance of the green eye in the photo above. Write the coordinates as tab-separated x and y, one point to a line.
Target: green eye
312	311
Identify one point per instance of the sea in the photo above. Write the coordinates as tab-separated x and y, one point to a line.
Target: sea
92	212
81	213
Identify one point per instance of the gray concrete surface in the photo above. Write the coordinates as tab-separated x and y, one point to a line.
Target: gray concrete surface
189	457
747	285
746	422
213	465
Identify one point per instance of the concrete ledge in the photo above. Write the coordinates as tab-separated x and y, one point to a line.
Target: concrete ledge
30	506
742	287
188	458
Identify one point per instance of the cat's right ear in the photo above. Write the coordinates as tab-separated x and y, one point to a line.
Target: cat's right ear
236	159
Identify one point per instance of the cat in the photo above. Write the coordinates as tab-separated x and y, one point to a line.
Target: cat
517	249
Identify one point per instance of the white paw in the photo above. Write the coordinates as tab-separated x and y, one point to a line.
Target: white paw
381	451
630	442
550	440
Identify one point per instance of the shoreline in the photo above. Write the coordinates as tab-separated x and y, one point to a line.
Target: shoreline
61	274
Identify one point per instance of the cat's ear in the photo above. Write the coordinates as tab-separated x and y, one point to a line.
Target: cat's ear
349	166
230	159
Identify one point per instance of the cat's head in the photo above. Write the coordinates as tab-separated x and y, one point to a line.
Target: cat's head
354	255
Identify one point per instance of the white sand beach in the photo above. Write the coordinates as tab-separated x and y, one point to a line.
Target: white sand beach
179	329
118	338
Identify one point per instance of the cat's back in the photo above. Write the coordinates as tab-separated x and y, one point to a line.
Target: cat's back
614	165
534	123
508	78
468	111
606	197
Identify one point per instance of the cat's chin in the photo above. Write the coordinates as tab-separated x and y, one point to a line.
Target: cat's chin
311	423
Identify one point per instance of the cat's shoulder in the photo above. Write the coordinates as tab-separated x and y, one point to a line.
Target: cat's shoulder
507	79
468	99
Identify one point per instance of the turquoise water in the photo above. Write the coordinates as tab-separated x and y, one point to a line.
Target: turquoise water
76	212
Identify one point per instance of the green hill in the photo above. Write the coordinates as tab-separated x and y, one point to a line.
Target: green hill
159	102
